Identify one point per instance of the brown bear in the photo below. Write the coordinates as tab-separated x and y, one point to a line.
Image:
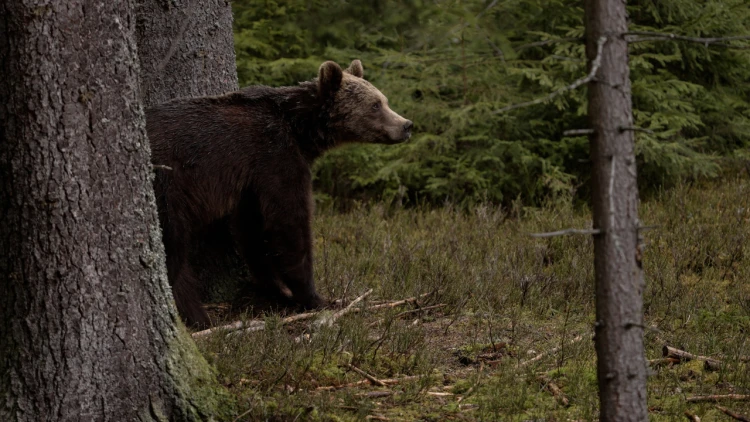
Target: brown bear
246	155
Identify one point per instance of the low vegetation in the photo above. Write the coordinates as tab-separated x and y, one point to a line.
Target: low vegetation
508	317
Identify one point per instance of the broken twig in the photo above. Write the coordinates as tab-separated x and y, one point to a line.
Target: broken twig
719	397
692	417
566	232
550	386
733	414
541	356
671	352
372	379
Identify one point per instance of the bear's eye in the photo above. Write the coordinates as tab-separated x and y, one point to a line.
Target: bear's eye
376	106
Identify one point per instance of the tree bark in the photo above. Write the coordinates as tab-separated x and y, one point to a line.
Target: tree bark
186	49
87	322
621	365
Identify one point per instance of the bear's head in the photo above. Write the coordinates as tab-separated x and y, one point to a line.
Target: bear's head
358	111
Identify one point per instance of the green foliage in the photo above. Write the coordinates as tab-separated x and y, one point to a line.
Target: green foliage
448	65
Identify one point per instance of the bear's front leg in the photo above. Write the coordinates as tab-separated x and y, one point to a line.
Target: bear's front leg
287	214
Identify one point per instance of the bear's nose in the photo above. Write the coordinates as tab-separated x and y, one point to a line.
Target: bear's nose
408	125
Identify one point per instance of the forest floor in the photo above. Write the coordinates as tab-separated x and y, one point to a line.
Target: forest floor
501	318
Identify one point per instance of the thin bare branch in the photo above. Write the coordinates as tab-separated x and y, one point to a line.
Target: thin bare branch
719	397
542	355
732	414
553	389
426	308
643	36
692	417
389	381
259	325
567	232
595	64
578	132
372	379
161	167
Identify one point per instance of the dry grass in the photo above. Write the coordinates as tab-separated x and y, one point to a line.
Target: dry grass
508	298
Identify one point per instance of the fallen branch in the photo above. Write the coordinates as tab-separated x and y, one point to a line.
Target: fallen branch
440	394
671	352
692	417
253	325
566	232
733	414
339	314
387	381
161	167
550	386
541	356
372	379
398	302
426	308
376	394
718	397
595	64
259	325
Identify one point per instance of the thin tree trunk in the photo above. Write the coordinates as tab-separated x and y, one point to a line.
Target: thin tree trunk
87	325
186	49
621	366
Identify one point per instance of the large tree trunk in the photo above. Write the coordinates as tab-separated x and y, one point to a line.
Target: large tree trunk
621	366
87	322
186	49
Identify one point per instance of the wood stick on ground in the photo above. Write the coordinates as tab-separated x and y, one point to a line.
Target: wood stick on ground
398	302
387	381
348	308
376	394
550	386
259	325
369	377
671	352
692	417
426	308
733	414
554	350
376	418
440	394
330	321
718	397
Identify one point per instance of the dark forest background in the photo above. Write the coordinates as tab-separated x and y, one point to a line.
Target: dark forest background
447	65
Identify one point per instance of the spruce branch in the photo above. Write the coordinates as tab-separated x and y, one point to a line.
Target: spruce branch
595	64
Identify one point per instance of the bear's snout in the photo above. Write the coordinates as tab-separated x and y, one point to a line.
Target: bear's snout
407	129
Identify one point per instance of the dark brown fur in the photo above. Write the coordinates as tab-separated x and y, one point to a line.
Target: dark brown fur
247	155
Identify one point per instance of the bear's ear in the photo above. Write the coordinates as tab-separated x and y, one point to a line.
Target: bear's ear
329	78
355	69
